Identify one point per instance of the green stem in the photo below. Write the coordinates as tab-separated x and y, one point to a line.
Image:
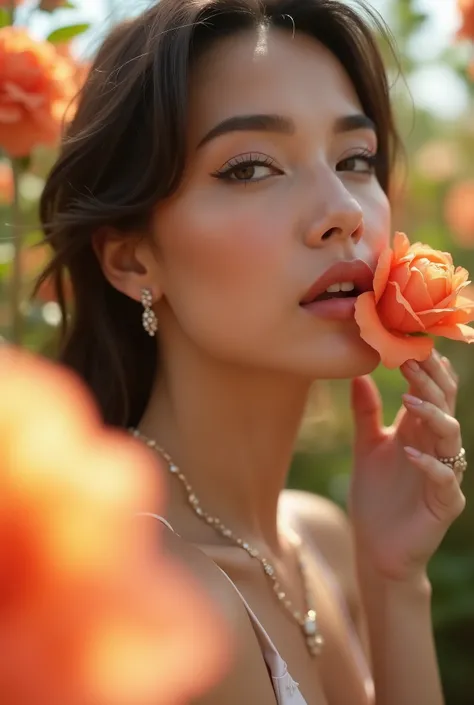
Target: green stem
16	318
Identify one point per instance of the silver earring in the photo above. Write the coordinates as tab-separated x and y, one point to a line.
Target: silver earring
149	319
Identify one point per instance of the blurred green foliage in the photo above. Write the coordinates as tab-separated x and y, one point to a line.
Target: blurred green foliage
439	153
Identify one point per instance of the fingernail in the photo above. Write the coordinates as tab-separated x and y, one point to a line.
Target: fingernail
413	401
412	365
413	452
445	360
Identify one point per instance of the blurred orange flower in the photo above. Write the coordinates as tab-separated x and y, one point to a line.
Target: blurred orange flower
37	86
439	160
466	8
459	212
92	612
6	184
417	291
82	68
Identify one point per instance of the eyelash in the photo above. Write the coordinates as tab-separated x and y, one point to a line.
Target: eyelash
241	161
248	160
365	155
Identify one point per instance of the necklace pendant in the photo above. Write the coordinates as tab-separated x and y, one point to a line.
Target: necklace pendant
314	640
315	644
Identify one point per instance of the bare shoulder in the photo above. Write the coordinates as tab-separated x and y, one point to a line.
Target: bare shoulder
247	678
322	521
324	525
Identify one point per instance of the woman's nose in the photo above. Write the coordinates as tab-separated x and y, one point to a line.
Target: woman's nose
343	219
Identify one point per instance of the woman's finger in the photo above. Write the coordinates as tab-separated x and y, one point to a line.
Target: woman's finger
447	501
441	374
423	385
446	428
449	366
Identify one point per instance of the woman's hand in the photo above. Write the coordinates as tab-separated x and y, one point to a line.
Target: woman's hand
402	498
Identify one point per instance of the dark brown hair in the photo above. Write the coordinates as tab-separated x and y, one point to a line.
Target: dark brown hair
125	150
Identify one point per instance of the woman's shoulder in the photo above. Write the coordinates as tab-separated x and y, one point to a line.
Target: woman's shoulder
325	528
320	519
247	677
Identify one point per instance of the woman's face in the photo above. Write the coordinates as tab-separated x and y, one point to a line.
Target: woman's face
268	205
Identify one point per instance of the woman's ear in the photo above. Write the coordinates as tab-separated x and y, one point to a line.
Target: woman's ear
128	262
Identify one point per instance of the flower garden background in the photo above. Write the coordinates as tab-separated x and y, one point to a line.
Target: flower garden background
433	196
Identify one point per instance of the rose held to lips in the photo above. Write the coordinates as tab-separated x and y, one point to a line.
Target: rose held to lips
416	294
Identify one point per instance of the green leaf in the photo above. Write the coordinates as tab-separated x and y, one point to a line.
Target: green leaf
65	6
24	163
4	17
65	34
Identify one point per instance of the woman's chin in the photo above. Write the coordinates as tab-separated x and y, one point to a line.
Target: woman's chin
344	361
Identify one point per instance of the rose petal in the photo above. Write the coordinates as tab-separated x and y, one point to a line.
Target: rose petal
396	313
393	349
382	272
389	310
401	245
437	284
435	316
401	274
456	332
460	277
421	250
448	302
464	302
457	315
416	291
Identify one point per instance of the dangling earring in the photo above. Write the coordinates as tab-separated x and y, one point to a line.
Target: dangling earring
150	321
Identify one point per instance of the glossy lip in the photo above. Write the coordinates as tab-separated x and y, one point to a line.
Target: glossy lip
333	309
356	271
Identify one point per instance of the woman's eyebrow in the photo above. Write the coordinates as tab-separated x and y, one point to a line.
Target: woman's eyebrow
357	121
250	123
280	124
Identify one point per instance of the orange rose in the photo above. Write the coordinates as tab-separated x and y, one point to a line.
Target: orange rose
466	8
6	184
93	612
37	86
81	68
459	212
417	291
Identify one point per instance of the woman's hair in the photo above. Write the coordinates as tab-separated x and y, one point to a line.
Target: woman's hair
126	149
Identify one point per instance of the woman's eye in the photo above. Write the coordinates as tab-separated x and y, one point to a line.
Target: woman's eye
249	170
359	163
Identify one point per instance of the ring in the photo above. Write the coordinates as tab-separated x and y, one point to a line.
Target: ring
457	463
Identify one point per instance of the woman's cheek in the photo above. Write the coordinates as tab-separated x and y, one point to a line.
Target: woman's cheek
377	220
219	246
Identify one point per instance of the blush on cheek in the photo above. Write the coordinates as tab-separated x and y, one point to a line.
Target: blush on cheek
219	245
377	221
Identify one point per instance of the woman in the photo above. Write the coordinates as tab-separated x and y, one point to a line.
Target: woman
226	174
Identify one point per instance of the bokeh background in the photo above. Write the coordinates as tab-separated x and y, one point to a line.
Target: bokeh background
432	79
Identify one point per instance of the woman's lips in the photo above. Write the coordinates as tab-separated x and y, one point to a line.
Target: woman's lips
335	309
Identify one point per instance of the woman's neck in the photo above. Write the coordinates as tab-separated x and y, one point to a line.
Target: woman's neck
231	431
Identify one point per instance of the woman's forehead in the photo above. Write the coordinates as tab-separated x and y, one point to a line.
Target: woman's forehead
277	73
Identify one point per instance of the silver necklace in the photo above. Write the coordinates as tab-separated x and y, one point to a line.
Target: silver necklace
308	620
